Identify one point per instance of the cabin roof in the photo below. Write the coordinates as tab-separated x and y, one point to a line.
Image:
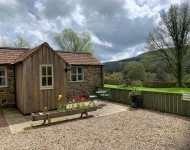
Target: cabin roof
14	55
79	58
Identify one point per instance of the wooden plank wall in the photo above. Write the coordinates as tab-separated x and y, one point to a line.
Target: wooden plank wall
35	99
163	102
19	86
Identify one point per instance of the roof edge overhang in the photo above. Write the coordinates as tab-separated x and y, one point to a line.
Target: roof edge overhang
86	64
36	49
7	64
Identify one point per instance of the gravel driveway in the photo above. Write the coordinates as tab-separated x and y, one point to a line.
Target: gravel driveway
130	129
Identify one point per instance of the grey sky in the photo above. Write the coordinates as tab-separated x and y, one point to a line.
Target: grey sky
118	28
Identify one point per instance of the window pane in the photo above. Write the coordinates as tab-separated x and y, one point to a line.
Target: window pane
2	81
49	81
73	78
73	70
2	72
43	70
79	70
49	70
44	81
80	77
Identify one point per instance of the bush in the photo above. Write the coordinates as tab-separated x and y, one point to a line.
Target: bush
157	84
134	71
136	83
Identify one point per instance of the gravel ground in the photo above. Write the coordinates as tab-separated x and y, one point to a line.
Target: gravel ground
131	130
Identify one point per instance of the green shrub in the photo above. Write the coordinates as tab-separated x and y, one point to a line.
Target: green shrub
136	83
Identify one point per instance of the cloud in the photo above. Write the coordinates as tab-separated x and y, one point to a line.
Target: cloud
97	41
54	9
118	28
135	9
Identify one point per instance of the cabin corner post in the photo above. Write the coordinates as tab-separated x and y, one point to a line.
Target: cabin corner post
15	89
65	74
102	75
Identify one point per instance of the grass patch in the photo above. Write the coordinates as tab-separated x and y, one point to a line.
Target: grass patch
163	90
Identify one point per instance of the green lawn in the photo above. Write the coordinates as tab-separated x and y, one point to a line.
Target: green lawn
165	90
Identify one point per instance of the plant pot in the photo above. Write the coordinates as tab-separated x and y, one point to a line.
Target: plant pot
39	116
55	114
76	111
58	114
135	102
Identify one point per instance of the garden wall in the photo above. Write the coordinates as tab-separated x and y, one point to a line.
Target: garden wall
164	102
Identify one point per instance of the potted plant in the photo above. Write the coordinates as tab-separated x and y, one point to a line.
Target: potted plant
135	96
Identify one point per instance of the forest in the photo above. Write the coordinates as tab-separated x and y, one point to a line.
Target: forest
155	69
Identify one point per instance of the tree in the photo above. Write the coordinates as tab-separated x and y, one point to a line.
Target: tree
171	39
19	42
68	40
134	71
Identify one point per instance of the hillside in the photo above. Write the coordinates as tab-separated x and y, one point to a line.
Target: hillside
149	59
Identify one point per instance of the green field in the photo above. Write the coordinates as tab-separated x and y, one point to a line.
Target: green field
164	90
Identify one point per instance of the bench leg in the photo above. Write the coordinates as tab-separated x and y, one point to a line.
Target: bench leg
44	121
92	102
81	115
49	120
86	114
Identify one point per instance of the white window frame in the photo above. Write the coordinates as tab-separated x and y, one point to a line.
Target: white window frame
77	74
5	76
46	87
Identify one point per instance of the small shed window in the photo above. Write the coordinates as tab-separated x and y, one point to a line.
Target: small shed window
46	77
3	77
77	74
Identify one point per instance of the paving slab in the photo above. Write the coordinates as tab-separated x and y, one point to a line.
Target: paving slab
18	122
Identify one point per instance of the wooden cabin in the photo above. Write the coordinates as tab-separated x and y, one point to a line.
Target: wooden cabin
32	79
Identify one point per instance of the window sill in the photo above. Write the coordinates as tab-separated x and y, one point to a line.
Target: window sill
3	86
78	81
46	88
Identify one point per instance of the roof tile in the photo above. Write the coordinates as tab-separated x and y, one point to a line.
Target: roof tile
11	56
79	58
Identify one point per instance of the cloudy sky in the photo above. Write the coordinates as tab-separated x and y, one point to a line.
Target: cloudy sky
118	28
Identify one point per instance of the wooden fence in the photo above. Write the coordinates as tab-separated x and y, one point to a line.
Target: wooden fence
164	102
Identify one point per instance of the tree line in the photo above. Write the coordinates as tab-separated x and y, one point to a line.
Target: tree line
67	40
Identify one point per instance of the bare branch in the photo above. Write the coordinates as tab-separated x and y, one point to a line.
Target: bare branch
172	37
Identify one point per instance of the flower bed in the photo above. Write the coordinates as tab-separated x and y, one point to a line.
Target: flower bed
56	114
64	109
